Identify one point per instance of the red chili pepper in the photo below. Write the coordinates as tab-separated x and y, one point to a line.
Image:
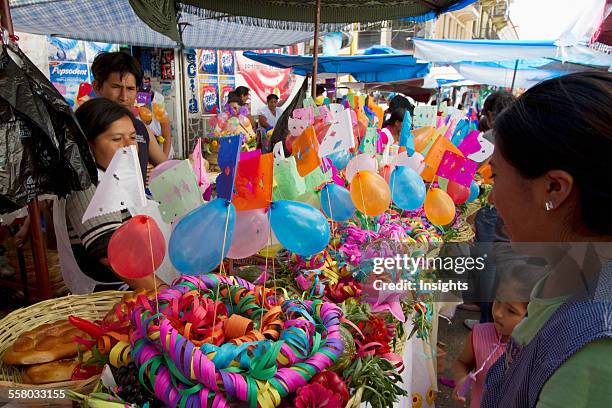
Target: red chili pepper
332	382
88	327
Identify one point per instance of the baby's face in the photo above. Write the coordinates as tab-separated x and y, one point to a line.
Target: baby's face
507	315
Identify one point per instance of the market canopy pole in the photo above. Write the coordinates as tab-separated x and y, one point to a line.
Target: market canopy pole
514	75
315	52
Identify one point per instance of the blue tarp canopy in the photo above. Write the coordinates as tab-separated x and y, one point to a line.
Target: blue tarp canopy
364	68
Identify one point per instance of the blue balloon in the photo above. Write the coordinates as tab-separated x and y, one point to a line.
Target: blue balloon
299	227
197	239
407	188
474	192
340	159
342	207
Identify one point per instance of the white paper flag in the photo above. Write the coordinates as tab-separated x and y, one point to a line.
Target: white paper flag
339	136
122	186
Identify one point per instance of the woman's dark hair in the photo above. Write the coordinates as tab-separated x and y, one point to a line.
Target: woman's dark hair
232	97
397	115
400	101
96	115
320	90
242	91
565	124
270	97
496	102
107	63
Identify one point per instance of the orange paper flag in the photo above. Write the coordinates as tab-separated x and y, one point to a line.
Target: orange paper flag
434	157
422	137
254	183
305	149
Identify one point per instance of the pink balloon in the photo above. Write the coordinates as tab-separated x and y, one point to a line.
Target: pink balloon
251	232
163	167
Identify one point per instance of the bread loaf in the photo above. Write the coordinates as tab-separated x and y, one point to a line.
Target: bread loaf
55	371
46	343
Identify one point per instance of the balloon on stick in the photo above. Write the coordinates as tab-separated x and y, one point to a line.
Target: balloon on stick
370	193
407	188
250	233
474	192
299	227
336	202
137	248
196	245
439	207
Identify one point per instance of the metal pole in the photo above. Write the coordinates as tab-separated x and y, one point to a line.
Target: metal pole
514	75
315	61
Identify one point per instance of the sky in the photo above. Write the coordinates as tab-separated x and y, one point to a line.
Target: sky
545	19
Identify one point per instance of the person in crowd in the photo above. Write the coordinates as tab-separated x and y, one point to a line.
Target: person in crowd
244	94
552	186
108	127
399	101
118	76
320	95
392	127
233	104
489	228
269	114
487	341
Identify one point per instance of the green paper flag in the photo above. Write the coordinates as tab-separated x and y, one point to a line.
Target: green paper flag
308	101
443	183
315	178
177	191
289	183
368	144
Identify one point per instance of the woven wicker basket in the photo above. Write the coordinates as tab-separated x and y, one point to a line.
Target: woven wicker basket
91	307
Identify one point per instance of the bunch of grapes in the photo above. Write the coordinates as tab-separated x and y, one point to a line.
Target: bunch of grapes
131	390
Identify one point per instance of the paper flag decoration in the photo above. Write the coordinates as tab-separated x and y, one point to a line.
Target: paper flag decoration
279	152
361	162
121	187
443	109
198	167
297	126
310	103
326	114
335	109
177	191
435	154
424	115
339	136
406	139
305	149
454	167
415	162
253	185
485	151
289	184
461	131
470	144
306	113
369	142
227	161
316	177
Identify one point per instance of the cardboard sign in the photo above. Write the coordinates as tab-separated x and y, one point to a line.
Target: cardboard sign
424	115
227	161
305	149
254	182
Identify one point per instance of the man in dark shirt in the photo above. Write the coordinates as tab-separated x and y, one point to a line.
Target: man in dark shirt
117	76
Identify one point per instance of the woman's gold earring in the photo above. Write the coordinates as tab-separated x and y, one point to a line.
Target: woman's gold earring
549	205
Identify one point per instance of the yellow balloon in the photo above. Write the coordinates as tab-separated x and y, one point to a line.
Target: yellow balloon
439	207
370	193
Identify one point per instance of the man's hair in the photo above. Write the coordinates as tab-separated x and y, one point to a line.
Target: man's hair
232	97
107	63
270	97
97	115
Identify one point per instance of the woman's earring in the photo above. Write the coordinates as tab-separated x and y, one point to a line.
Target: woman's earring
549	205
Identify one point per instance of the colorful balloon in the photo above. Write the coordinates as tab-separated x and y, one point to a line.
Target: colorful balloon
196	244
370	193
299	227
251	232
439	207
145	114
407	188
336	202
474	192
137	248
457	192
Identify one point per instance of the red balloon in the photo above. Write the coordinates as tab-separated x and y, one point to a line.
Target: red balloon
131	246
457	192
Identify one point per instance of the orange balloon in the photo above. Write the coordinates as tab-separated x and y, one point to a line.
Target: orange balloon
145	114
370	193
439	207
159	111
